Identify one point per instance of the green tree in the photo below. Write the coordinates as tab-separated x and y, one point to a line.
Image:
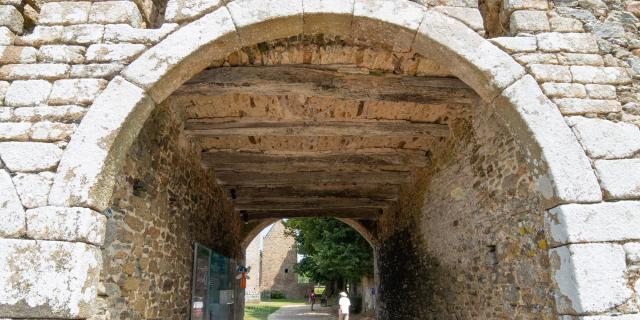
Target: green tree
333	252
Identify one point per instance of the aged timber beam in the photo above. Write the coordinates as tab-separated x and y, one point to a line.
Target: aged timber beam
259	179
257	127
347	212
401	160
313	81
371	191
302	203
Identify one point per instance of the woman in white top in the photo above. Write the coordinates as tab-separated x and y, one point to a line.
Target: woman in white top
343	311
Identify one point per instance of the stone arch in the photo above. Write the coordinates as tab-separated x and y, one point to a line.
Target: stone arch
85	174
256	228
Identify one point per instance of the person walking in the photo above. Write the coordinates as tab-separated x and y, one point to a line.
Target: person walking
344	303
312	299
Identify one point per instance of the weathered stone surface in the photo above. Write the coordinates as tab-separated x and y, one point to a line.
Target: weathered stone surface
145	224
48	131
564	24
64	13
570	106
13	54
536	58
114	52
590	277
11	211
40	35
632	249
6	36
605	139
541	128
47	279
516	44
14	131
182	10
615	317
480	64
82	34
567	42
549	72
391	24
29	156
33	189
125	33
76	91
11	18
115	12
167	65
27	93
67	224
512	5
96	70
113	121
4	86
600	222
601	91
48	71
564	90
61	54
263	20
529	21
315	16
601	75
46	113
620	179
469	16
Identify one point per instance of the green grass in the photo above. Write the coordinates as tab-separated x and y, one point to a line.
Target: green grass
260	311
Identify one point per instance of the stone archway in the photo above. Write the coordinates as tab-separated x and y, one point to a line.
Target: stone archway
85	175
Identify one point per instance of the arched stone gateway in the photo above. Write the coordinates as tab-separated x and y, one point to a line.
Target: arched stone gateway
51	254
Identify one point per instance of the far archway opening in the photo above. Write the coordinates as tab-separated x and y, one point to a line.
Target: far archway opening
327	127
304	263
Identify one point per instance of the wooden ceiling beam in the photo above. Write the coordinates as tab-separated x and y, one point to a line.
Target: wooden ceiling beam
265	179
327	81
305	203
372	191
258	127
345	161
347	212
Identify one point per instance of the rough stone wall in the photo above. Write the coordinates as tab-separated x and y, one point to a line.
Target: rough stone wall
581	53
278	260
164	202
467	241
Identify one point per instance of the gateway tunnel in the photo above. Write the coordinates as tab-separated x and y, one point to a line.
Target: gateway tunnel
389	142
487	152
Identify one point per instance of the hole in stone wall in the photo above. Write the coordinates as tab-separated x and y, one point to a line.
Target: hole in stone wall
495	23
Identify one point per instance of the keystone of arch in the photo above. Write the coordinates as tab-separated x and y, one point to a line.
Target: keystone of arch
85	173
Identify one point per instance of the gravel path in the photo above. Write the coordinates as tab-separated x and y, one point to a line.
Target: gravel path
291	312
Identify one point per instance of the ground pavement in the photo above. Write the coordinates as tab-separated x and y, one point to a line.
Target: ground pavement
291	312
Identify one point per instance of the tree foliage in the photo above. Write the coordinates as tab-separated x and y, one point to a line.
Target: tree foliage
332	250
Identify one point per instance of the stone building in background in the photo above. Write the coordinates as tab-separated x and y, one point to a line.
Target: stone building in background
273	267
253	257
487	150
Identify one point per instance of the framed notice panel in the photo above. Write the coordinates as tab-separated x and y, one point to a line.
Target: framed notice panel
213	291
200	288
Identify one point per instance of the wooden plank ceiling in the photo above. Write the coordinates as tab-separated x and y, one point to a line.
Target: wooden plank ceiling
288	141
